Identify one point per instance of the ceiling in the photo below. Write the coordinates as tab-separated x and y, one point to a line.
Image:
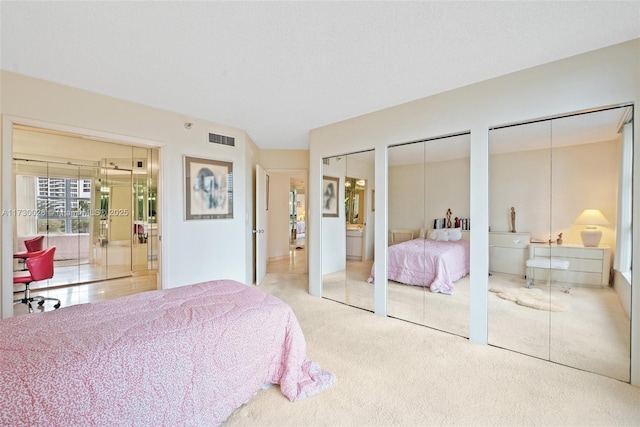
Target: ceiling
280	69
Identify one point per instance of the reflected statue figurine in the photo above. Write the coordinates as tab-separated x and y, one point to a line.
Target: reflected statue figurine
513	219
448	218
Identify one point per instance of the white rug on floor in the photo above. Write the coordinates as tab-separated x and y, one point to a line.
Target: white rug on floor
532	298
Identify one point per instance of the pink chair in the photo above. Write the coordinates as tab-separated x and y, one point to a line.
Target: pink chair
39	267
34	246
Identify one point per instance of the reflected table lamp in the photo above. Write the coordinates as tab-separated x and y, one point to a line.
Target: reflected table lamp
591	218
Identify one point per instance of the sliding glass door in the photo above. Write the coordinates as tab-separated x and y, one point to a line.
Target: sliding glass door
84	211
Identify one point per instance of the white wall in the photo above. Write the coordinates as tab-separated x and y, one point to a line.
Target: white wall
604	77
415	202
583	176
192	250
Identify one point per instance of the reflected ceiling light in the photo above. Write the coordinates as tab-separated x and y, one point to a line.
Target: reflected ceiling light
591	218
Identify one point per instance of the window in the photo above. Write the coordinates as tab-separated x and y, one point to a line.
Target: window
63	205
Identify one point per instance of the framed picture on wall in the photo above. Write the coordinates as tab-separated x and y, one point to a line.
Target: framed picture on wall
208	188
330	186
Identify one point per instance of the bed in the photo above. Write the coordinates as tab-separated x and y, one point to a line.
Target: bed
435	262
183	356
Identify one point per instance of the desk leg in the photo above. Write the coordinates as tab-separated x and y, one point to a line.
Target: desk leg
529	277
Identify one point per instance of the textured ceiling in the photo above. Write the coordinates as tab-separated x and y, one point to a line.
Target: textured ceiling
279	69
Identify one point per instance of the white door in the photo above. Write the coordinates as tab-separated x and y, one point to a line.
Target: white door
262	192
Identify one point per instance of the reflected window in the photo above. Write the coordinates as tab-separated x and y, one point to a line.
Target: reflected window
63	205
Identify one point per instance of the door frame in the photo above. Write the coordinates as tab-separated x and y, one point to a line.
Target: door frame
8	190
292	173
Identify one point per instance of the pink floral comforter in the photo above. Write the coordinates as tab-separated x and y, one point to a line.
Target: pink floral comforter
426	262
184	356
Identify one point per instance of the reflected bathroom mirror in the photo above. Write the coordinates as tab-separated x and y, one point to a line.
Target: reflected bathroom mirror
571	295
354	199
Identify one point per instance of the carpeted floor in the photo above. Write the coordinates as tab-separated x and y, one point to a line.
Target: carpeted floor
395	373
586	328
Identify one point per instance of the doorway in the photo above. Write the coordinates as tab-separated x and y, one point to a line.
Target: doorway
287	234
297	224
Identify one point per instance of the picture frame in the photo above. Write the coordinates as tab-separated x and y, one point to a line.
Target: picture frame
330	192
208	188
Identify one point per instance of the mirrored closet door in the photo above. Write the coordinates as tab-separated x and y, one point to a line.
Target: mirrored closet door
519	212
429	230
348	229
560	240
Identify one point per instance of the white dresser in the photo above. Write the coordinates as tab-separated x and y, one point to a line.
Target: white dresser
587	266
508	253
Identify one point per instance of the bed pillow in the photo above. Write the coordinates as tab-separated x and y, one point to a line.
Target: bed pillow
442	235
455	234
423	233
433	235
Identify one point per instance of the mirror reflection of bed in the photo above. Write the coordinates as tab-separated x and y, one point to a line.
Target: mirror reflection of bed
348	238
428	179
549	172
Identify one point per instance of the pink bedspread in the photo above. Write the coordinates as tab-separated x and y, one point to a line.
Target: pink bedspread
178	357
426	262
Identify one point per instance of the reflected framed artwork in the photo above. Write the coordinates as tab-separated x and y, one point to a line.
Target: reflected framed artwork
330	186
208	189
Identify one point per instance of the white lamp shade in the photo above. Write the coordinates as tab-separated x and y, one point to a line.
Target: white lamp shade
591	218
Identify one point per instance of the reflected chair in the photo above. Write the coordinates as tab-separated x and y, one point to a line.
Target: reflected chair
33	246
39	267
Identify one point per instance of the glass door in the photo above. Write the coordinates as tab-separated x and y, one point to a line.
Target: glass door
116	222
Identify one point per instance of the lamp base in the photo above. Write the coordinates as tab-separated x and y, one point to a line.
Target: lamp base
591	238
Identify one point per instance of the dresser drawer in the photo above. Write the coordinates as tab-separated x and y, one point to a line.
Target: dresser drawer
580	264
587	266
509	240
568	252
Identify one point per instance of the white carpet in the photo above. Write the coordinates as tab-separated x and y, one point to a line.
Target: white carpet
394	373
587	328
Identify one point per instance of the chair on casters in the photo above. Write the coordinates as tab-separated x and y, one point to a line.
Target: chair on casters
33	245
39	267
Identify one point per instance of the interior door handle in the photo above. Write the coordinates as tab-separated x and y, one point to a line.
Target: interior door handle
257	231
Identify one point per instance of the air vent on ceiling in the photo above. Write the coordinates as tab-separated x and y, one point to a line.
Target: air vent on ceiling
222	139
325	161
